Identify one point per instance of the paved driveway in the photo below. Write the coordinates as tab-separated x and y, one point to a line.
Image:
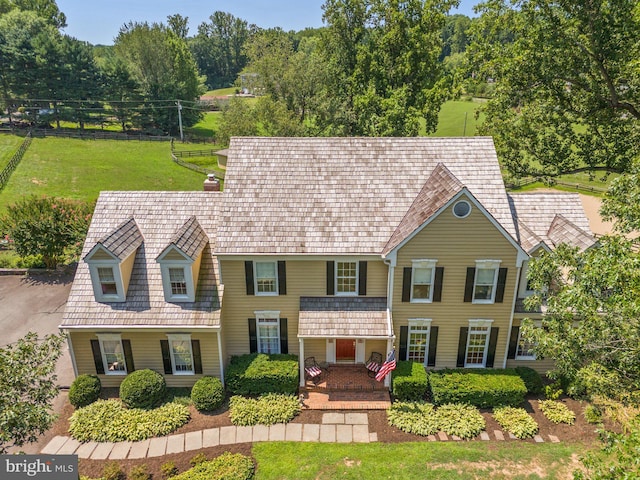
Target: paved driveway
35	303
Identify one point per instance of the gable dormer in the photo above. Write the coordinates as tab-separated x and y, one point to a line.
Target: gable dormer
180	262
111	262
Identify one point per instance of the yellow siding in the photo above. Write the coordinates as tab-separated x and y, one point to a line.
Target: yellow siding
100	254
126	267
145	348
195	269
457	244
379	346
541	366
304	278
173	255
315	347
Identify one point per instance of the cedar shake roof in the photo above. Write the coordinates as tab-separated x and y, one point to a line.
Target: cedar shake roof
158	215
440	187
343	317
190	239
123	240
538	212
343	195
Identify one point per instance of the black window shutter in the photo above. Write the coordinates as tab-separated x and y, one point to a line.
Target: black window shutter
362	278
284	336
468	285
331	288
502	280
433	345
248	274
404	340
513	342
462	346
282	278
437	284
493	342
166	357
197	356
406	284
253	336
97	356
128	356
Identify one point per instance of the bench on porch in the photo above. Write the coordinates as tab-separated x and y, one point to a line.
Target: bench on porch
373	364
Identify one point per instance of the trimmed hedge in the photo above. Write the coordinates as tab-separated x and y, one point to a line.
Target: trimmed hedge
409	382
207	394
269	409
531	379
258	373
228	466
482	388
143	389
84	390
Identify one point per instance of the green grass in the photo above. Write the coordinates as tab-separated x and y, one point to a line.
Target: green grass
8	146
206	127
221	92
80	169
451	120
435	460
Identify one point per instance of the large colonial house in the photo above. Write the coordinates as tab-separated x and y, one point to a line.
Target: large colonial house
326	247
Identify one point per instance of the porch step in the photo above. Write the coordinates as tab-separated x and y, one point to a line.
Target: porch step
345	400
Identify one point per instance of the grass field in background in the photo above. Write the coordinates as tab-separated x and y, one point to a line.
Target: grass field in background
80	169
451	119
204	128
9	144
437	460
221	92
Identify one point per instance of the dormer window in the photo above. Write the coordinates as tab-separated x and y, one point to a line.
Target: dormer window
178	281
107	281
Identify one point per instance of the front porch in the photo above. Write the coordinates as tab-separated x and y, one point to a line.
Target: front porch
345	387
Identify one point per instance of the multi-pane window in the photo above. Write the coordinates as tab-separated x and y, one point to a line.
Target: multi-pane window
107	281
266	278
484	288
112	354
177	281
525	348
422	276
268	330
346	278
181	354
418	340
477	343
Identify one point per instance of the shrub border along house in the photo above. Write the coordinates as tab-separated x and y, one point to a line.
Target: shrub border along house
409	381
258	373
84	390
207	394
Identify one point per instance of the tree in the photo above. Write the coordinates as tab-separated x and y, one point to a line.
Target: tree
383	73
237	119
47	226
45	9
179	25
27	388
567	82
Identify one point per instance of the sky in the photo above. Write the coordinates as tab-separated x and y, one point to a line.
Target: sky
98	22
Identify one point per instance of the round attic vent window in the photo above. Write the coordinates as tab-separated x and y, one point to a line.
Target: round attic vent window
462	209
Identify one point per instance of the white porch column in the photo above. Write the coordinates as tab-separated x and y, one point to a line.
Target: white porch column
387	379
301	361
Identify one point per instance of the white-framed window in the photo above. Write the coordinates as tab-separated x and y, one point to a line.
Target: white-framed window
485	281
477	343
112	354
422	277
524	351
346	278
178	281
266	278
418	340
107	282
268	332
181	354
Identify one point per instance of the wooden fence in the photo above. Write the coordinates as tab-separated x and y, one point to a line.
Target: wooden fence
98	135
13	163
195	153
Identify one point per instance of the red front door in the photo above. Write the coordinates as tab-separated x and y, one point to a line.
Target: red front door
345	350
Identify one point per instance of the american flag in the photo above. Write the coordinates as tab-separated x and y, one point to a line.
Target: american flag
387	366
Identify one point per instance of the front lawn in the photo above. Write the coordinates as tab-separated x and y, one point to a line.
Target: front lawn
8	146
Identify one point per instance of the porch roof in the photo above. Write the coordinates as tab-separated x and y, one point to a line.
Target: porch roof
352	317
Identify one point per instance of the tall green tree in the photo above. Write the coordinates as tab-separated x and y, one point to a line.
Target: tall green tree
567	82
45	9
383	72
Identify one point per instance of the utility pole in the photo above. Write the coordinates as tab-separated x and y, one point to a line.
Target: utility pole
180	120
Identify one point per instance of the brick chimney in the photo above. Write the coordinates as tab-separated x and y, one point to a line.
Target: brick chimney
211	184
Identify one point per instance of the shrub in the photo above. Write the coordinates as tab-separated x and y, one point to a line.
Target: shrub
481	388
413	417
553	390
110	421
516	421
464	421
269	409
168	470
557	412
531	379
181	395
255	374
140	472
113	471
198	459
409	381
207	394
143	389
84	390
593	414
228	466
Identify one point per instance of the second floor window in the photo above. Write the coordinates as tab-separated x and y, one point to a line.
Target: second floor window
484	288
178	281
346	278
422	280
266	278
107	281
